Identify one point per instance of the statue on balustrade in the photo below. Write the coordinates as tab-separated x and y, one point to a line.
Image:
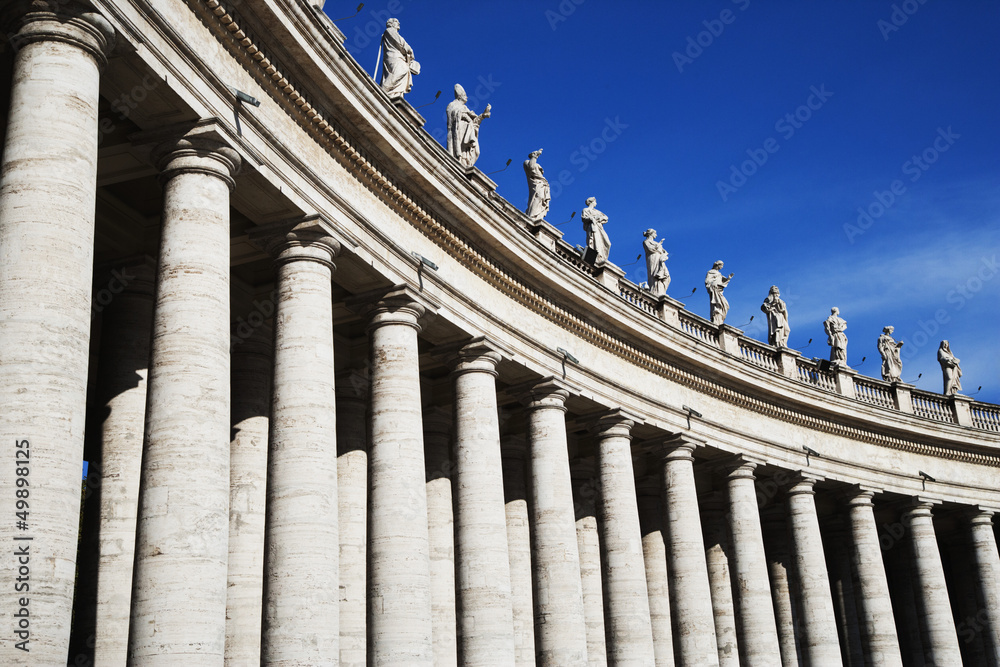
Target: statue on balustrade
463	128
398	65
538	188
656	264
777	318
598	243
715	283
950	369
835	326
892	365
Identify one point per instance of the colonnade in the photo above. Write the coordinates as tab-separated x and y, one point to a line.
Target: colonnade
276	510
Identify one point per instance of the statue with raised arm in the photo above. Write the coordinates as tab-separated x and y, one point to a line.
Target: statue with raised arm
777	318
835	326
463	129
950	369
593	224
715	283
892	365
538	188
656	264
398	65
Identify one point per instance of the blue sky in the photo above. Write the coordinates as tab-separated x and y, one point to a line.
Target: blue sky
821	109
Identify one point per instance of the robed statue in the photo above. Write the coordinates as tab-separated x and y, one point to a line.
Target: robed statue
657	274
398	65
835	326
593	225
950	369
777	318
892	365
538	188
715	283
463	128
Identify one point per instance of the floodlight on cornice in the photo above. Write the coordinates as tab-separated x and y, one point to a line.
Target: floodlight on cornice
691	412
356	12
499	170
424	261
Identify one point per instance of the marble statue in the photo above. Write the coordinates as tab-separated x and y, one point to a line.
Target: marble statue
835	326
538	187
777	318
892	365
398	65
715	282
463	128
593	224
657	274
950	369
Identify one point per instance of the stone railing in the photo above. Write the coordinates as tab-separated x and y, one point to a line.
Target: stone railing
811	373
932	406
875	392
699	328
572	255
985	416
638	297
758	354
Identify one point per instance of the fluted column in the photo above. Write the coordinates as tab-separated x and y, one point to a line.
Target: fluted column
875	604
629	629
485	621
302	565
781	575
179	587
48	181
441	534
717	557
352	513
822	645
690	591
941	640
987	559
585	493
399	599
758	634
515	489
654	552
561	634
251	381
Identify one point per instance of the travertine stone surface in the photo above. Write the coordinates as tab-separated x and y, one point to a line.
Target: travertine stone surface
630	633
352	513
47	198
690	592
440	533
585	492
941	640
302	596
845	606
515	486
654	552
399	599
781	575
561	634
179	586
758	637
984	546
821	646
251	381
485	621
717	556
875	607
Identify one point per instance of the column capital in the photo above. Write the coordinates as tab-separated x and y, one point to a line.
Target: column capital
802	482
477	355
920	506
550	392
307	238
981	516
202	148
68	21
860	495
739	466
615	423
678	447
399	304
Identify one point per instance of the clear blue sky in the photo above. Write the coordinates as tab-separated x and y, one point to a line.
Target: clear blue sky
629	111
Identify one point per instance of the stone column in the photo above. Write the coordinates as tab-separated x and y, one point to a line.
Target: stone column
941	640
626	598
845	604
48	183
441	534
585	493
758	635
781	575
124	298
515	490
654	552
717	557
984	547
690	591
875	604
561	633
302	562
486	626
182	553
352	513
251	382
399	598
821	645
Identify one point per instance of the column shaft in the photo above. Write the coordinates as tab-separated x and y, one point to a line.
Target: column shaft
654	552
441	533
352	514
589	545
717	556
780	573
519	549
941	641
984	546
